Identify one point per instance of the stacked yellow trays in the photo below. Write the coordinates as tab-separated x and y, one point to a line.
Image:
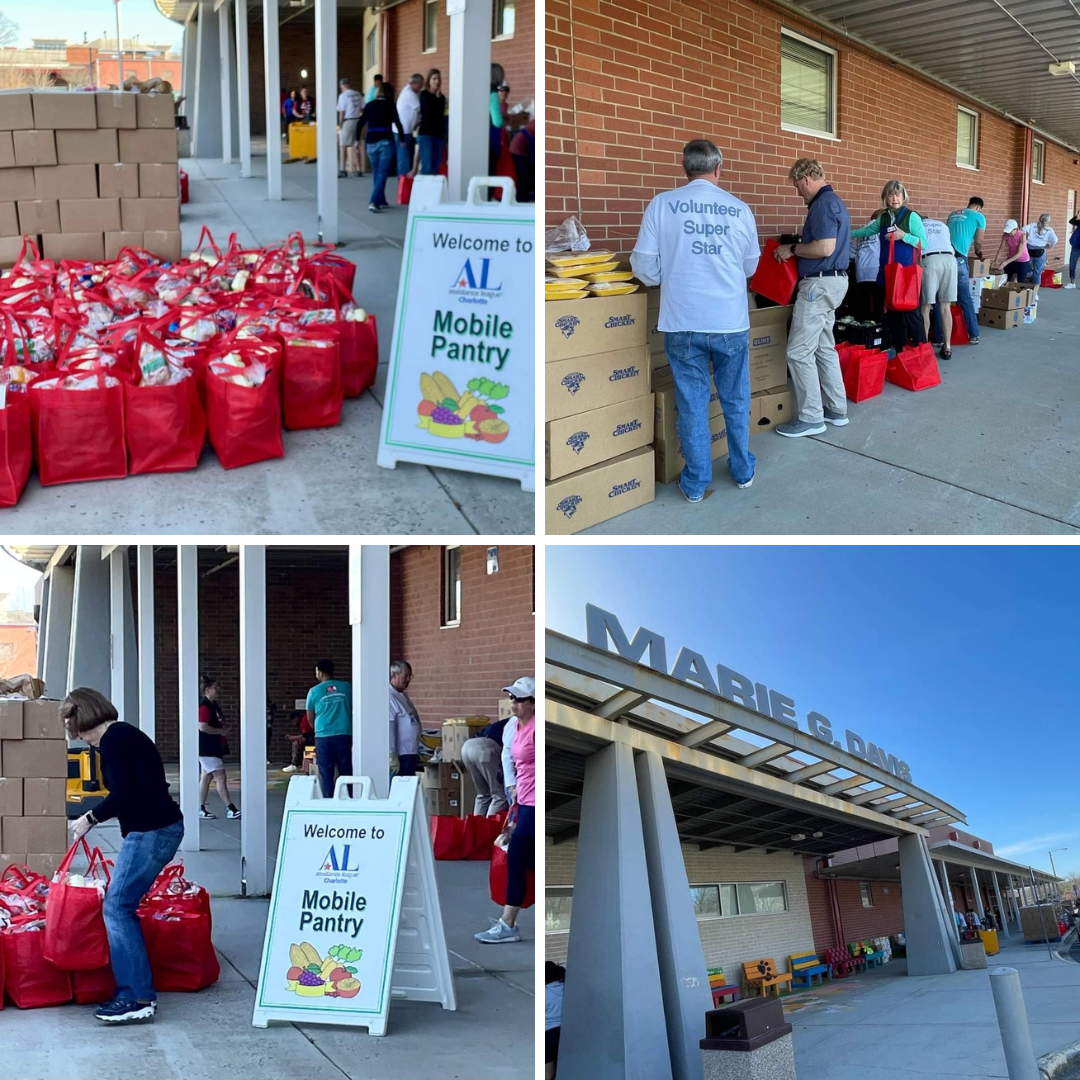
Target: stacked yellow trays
595	273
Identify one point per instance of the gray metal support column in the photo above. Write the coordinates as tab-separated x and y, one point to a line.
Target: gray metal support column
929	951
947	896
147	700
187	621
206	118
272	79
613	1012
56	645
978	894
1015	907
369	616
243	87
684	977
227	63
41	594
326	91
190	58
1003	915
253	717
123	670
88	660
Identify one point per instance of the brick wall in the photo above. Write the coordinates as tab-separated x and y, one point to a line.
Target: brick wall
460	670
629	83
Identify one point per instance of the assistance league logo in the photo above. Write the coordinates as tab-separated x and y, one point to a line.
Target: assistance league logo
475	288
337	862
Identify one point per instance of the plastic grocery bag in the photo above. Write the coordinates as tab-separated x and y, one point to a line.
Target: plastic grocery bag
498	878
75	937
243	410
178	943
311	389
30	981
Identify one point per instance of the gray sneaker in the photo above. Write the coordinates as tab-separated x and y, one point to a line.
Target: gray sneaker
835	418
797	428
498	934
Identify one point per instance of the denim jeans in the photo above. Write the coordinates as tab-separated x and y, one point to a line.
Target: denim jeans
964	298
431	154
1074	257
332	751
1035	268
405	146
380	154
691	357
143	856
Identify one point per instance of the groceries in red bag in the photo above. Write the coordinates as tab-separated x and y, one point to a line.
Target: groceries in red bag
30	981
172	890
774	280
16	447
311	390
178	943
243	408
75	937
22	891
915	368
498	878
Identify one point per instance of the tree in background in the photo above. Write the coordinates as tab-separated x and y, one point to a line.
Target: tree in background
9	30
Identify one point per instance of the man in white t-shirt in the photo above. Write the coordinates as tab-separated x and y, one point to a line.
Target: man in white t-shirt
349	107
938	282
408	110
700	244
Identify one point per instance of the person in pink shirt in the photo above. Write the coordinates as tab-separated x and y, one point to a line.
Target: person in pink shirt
519	774
1014	243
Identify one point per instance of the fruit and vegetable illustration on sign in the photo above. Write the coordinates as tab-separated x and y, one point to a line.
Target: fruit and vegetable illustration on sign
312	976
473	414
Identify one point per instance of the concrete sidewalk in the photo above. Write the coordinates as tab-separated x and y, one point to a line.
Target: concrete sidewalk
995	449
328	482
888	1025
207	1036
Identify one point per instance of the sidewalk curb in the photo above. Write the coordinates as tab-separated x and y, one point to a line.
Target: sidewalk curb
1059	1063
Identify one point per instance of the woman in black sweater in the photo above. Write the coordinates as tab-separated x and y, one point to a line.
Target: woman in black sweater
379	116
152	827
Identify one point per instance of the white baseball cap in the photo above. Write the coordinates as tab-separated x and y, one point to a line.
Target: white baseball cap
1010	225
522	688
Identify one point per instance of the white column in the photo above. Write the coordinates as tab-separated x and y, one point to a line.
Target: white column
369	614
57	643
190	56
187	619
325	137
1003	916
946	895
272	73
147	704
226	55
470	91
88	657
253	717
243	89
117	665
206	114
978	894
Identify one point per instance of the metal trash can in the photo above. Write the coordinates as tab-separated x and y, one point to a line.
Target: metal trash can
748	1040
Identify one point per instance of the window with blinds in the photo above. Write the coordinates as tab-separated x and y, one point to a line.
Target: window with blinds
1038	158
807	85
967	137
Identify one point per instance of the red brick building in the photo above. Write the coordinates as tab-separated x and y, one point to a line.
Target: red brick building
629	83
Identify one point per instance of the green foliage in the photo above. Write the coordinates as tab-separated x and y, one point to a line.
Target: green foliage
488	389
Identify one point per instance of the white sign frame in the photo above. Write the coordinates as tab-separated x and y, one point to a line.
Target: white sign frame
417	963
428	203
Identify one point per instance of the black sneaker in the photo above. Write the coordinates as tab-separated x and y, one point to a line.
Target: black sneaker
342	174
126	1012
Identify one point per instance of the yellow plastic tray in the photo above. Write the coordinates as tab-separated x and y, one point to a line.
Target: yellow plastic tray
611	288
576	294
611	275
576	258
553	284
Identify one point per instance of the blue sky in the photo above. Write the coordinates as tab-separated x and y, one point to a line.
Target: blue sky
962	661
95	18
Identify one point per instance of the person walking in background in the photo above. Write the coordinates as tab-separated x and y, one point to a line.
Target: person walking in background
497	118
288	103
329	711
523	151
554	984
301	738
432	126
305	107
379	118
404	722
152	827
1074	251
704	313
900	230
482	756
939	283
519	769
966	227
1014	243
408	110
1040	239
349	107
823	259
373	89
212	749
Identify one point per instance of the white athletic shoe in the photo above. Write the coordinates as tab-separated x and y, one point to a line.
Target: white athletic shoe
1071	285
498	934
290	768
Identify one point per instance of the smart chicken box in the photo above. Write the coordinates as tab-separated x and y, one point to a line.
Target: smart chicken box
576	442
593	495
593	325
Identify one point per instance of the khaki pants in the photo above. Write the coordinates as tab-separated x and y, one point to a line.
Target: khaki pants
811	352
483	759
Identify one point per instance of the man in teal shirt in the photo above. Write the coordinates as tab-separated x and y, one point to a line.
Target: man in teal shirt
966	226
329	711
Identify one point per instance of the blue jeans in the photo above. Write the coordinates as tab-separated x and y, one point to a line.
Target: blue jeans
405	146
380	154
1074	257
143	856
431	154
964	299
333	751
691	356
1035	268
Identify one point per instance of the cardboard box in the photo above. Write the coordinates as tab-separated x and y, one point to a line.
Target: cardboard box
86	147
652	309
89	215
43	834
65	182
46	864
155	111
34	148
149	215
10	247
7	150
444	775
114	241
41	719
669	458
9	219
586	498
11	720
17	184
665	412
164	244
115	109
584	383
11	859
593	325
768	346
1005	298
81	245
769	408
977	267
11	796
576	442
57	109
38	215
438	802
1000	319
16	110
455	732
35	757
159	182
118	181
149	146
44	797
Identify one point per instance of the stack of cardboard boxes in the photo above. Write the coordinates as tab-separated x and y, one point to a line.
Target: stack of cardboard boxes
85	174
33	785
1006	307
599	422
447	785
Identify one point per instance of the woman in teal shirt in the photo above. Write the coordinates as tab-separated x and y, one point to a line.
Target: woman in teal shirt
896	222
496	117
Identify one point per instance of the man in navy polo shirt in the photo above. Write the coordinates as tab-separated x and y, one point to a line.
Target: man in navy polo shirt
823	263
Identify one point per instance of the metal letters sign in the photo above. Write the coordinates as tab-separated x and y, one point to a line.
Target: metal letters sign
691	667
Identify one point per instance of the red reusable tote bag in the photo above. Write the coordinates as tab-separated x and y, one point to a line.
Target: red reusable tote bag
775	280
863	371
337	266
75	937
404	190
903	284
173	890
358	341
182	957
16	445
498	878
448	837
914	369
959	327
93	987
30	981
311	389
244	421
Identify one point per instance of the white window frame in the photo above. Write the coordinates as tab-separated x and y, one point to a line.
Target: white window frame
557	890
974	138
446	623
743	914
1040	180
832	136
495	15
372	39
434	46
866	894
